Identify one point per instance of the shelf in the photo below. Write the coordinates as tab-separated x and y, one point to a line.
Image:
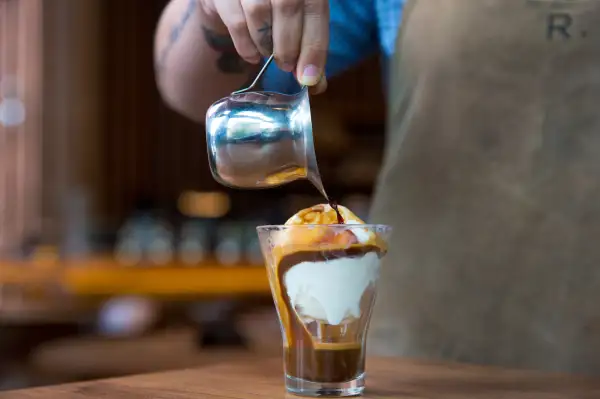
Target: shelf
166	281
105	277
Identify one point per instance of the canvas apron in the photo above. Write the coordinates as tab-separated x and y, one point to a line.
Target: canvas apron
491	180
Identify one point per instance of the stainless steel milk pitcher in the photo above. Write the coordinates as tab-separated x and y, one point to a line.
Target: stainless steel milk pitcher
261	139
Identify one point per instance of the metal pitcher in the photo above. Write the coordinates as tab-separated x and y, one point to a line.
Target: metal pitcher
261	139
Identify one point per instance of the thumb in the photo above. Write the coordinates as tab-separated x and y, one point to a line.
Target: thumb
315	42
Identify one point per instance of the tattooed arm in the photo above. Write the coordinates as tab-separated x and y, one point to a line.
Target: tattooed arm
196	61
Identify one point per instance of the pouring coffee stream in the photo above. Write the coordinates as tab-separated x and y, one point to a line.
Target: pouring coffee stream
318	183
259	139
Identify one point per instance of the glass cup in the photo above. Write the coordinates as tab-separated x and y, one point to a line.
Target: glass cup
323	279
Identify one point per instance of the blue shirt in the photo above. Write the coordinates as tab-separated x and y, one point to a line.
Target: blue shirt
358	29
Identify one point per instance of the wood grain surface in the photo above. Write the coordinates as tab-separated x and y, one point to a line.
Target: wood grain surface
388	378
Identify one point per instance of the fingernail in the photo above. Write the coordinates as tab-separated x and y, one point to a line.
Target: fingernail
310	76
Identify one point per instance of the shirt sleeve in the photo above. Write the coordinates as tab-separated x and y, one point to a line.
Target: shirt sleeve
352	38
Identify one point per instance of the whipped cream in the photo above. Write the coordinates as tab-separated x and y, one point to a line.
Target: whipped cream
362	235
331	291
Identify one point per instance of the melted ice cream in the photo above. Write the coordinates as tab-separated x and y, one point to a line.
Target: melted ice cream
331	291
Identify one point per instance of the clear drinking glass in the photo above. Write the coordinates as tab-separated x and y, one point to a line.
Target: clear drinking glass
323	279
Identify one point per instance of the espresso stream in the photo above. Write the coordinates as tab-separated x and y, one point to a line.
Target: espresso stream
334	206
315	179
322	361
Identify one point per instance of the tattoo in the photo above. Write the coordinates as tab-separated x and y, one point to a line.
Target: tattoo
176	31
218	41
266	37
229	61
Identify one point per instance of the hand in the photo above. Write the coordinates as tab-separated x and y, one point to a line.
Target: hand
296	31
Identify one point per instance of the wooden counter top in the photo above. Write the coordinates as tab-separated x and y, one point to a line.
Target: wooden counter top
388	378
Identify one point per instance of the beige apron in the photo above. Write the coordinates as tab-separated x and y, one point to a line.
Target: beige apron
491	180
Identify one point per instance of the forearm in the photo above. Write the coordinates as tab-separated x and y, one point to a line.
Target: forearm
196	63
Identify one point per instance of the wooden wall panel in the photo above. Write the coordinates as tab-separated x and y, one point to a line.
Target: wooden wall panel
151	151
20	155
73	118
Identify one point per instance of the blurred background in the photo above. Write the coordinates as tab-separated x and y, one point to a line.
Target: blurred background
119	253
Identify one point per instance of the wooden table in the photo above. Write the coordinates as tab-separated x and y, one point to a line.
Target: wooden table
257	378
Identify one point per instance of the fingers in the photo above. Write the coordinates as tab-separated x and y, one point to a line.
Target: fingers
288	22
315	40
232	14
258	15
296	31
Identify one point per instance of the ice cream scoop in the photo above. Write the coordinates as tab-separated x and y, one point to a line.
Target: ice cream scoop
319	229
324	214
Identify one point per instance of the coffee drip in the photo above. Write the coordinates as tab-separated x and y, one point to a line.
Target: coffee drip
318	183
334	205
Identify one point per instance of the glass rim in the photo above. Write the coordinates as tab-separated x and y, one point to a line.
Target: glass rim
295	226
